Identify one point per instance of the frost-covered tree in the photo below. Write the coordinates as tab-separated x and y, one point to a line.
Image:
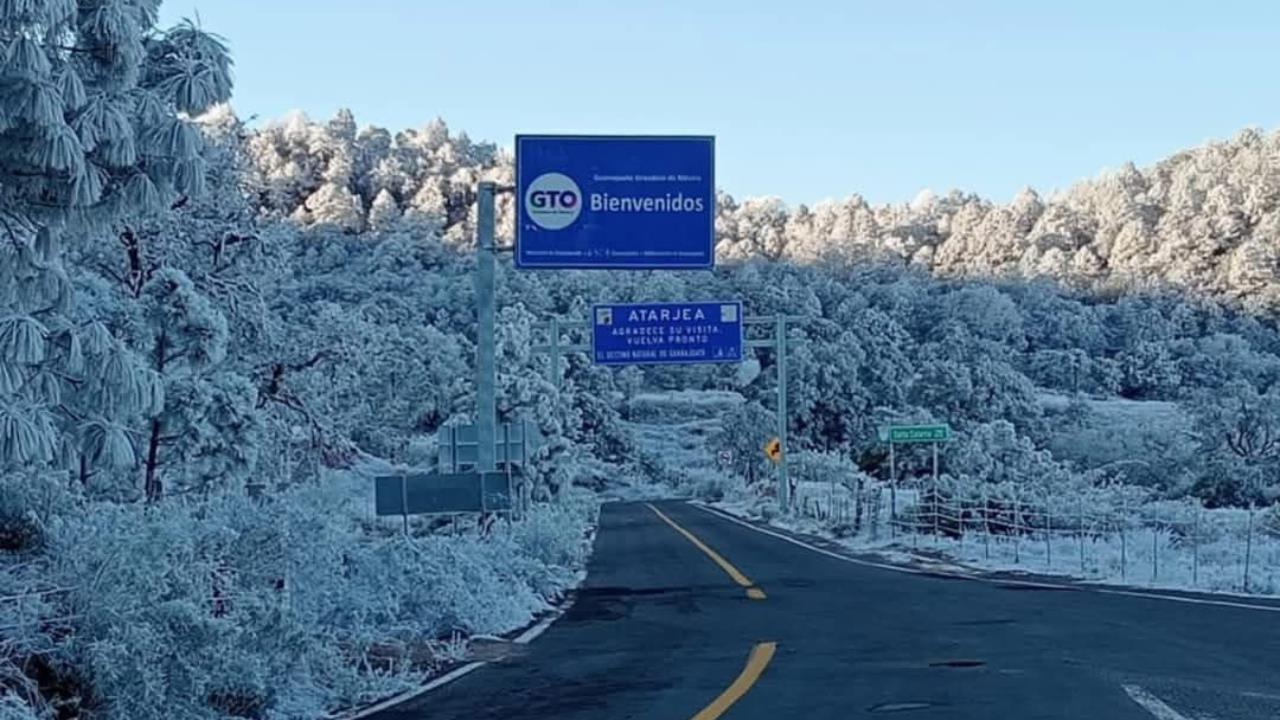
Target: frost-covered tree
93	126
828	404
206	432
333	175
1239	428
1201	221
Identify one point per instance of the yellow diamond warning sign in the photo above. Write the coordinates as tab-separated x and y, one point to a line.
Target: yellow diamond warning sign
773	450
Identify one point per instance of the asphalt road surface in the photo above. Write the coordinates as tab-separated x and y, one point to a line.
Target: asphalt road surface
770	629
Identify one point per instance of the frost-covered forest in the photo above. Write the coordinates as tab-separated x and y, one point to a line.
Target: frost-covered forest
210	333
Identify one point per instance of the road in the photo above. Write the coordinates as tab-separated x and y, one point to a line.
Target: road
662	631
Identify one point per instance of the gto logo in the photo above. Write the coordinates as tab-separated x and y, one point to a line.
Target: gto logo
553	201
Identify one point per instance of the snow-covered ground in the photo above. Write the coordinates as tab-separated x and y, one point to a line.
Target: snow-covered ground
303	602
1183	549
683	405
1132	436
1099	538
674	434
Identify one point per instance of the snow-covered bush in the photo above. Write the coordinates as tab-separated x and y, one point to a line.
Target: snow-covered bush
547	538
238	606
1269	521
708	483
14	708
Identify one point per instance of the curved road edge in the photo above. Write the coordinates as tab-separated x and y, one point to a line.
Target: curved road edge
522	636
832	549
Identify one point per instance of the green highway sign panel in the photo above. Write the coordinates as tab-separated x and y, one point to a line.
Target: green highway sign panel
918	433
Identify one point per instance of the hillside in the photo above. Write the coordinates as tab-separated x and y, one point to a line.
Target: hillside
1205	221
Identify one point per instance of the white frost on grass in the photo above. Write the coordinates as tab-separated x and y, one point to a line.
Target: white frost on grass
1142	556
293	605
1134	434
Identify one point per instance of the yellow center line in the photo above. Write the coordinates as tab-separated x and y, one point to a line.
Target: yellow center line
753	592
757	661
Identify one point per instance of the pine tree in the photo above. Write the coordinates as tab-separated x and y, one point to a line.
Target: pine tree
93	127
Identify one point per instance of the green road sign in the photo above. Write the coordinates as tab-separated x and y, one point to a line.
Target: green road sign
918	433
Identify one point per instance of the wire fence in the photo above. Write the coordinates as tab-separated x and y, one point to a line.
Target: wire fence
1112	534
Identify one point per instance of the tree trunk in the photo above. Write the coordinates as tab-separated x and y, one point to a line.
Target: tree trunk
151	483
857	507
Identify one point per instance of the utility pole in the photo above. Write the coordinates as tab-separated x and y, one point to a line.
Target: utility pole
778	344
555	350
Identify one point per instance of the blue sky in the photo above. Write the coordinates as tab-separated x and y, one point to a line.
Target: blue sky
808	99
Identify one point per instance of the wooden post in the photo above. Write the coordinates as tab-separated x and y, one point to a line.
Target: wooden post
1048	529
1081	504
1195	548
893	492
1248	547
937	498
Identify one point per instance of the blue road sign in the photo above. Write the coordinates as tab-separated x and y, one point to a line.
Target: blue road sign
667	333
615	202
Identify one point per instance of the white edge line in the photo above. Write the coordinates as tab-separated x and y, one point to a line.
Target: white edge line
532	633
1188	600
524	638
786	538
408	695
979	578
1152	704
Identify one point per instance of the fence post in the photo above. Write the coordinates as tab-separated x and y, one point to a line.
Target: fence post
915	524
986	525
937	498
1124	544
1080	503
1248	547
1048	529
893	492
1195	548
831	499
1017	533
1155	547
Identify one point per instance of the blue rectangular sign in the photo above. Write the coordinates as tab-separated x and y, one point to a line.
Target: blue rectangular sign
615	202
667	333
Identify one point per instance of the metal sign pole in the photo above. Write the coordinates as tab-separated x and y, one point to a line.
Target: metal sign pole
453	449
937	498
485	349
524	466
506	464
780	343
893	491
554	345
404	500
